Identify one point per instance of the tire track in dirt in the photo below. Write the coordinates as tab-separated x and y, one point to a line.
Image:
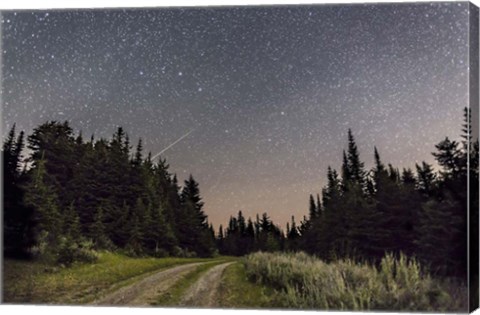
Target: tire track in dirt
205	291
142	293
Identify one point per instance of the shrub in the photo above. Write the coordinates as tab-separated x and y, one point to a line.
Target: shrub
306	282
70	252
41	245
160	253
183	252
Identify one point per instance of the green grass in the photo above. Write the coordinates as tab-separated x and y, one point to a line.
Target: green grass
237	292
34	282
176	292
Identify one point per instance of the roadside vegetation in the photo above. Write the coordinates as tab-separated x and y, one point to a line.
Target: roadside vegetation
37	282
236	291
306	282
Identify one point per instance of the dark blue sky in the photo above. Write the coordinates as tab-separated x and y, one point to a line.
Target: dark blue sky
269	92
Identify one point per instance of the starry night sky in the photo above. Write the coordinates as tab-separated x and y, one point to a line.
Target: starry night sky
268	93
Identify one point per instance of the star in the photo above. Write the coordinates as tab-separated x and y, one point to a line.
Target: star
269	91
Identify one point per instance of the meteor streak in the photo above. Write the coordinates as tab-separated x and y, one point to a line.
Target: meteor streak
172	144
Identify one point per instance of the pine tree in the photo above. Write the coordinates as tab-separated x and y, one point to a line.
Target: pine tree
137	160
390	228
135	241
194	234
97	231
408	178
89	185
313	209
439	230
71	223
41	197
220	240
119	231
54	143
426	179
448	156
17	217
166	235
114	171
293	236
346	171
355	166
10	158
250	235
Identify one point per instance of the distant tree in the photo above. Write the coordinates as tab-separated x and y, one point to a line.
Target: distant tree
293	236
220	240
319	206
426	179
194	232
448	156
346	171
17	217
250	236
408	178
355	166
313	208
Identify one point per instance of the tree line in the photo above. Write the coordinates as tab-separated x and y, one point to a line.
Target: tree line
363	214
68	191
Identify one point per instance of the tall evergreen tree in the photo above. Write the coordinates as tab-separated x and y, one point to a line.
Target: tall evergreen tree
313	209
71	223
426	179
98	231
17	217
319	206
53	142
355	166
194	233
136	234
40	196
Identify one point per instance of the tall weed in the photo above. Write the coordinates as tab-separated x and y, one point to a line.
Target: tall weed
306	282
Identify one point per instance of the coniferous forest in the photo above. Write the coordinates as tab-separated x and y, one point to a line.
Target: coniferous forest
364	214
66	196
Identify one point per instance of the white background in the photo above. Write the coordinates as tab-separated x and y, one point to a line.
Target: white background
51	4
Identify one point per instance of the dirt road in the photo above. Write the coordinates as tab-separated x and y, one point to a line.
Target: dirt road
143	292
204	292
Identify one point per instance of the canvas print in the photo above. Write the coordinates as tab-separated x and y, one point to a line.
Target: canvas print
301	157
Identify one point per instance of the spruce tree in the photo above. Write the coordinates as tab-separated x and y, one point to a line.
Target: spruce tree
71	223
220	240
119	231
97	231
18	233
53	142
426	179
194	231
313	208
319	206
355	166
41	197
448	156
136	236
439	230
293	236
